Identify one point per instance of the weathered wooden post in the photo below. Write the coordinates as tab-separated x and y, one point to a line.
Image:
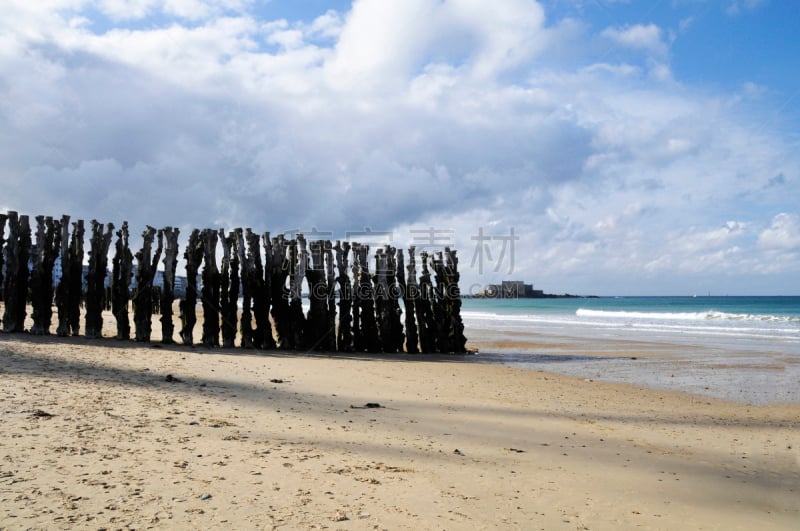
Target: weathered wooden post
344	336
193	256
279	271
366	338
381	297
394	312
3	219
358	337
11	259
317	318
298	262
91	295
48	234
15	289
121	274
269	338
246	320
229	289
70	289
62	290
168	290
330	283
387	308
409	292
35	263
211	288
76	290
11	254
146	264
23	274
457	342
263	327
440	303
425	319
96	278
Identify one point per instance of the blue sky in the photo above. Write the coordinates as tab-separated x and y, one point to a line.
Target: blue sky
631	147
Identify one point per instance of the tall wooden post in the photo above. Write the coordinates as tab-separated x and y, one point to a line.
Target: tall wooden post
168	290
440	304
96	278
367	334
246	319
146	264
344	336
269	338
394	312
121	274
75	292
211	288
457	342
279	271
330	283
229	288
259	294
15	288
316	326
409	292
298	262
425	318
382	301
62	289
193	256
48	235
3	219
358	337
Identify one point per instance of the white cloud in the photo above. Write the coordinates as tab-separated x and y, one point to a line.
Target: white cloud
705	241
328	25
384	42
782	234
121	10
639	36
380	43
737	6
127	9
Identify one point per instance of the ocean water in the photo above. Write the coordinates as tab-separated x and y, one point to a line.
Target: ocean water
737	348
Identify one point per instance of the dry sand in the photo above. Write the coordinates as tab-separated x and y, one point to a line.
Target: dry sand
107	434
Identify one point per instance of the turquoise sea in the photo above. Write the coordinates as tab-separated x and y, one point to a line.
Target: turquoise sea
739	348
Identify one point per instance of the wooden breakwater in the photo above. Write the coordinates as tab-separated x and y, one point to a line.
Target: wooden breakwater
267	273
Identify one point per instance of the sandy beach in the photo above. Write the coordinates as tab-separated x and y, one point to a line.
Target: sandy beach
104	434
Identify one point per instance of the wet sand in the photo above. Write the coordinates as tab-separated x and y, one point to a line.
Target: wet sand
749	373
108	434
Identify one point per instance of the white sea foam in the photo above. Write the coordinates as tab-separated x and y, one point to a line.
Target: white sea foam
709	323
685	316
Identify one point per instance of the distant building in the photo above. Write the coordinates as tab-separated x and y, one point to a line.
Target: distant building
512	289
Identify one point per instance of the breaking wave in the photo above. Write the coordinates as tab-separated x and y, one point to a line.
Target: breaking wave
710	315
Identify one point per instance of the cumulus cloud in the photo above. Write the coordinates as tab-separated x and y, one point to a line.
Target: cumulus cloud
783	233
647	37
393	115
186	9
